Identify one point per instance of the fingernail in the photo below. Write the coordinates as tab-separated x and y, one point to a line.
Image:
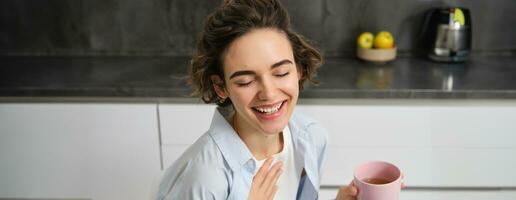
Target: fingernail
354	191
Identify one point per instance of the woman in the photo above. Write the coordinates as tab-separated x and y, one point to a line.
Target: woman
252	65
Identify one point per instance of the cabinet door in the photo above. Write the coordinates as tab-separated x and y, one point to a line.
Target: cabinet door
181	125
465	144
78	151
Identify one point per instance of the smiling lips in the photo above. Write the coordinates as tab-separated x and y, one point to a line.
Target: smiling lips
269	112
269	109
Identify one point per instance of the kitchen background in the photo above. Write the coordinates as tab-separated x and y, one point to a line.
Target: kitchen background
169	27
92	97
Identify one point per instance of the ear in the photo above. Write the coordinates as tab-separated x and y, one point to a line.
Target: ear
218	85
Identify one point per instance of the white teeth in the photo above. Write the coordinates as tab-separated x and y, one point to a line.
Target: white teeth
270	110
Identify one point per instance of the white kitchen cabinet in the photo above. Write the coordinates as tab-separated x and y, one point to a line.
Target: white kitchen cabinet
112	151
435	143
184	123
438	144
181	125
78	151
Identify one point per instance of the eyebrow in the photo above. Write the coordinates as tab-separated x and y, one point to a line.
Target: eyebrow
249	72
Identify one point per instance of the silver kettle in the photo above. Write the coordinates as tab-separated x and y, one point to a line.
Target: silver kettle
447	34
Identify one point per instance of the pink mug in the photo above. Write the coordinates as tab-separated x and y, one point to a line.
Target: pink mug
378	180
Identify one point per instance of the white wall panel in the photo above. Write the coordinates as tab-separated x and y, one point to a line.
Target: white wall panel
470	144
184	123
97	151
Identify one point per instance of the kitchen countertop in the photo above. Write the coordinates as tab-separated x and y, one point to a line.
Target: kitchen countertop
482	77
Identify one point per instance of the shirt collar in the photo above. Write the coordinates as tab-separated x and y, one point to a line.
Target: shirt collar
232	147
298	128
298	123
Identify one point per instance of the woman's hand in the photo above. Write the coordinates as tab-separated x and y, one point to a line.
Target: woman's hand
264	182
347	192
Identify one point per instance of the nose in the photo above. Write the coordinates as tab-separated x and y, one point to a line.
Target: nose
267	90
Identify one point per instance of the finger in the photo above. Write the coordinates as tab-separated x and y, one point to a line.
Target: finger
349	190
352	182
262	172
266	165
267	182
352	190
274	181
403	185
271	195
347	193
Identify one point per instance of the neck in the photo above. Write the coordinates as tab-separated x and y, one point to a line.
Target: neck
261	145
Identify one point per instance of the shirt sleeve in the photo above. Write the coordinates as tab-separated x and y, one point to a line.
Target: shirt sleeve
196	182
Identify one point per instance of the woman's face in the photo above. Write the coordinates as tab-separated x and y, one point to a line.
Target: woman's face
262	80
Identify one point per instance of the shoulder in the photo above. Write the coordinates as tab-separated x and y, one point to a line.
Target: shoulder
200	173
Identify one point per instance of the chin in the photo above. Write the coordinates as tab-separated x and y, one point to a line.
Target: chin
275	129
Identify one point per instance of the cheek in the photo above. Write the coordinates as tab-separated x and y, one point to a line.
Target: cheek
291	84
242	96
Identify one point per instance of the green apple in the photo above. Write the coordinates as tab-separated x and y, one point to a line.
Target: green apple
365	40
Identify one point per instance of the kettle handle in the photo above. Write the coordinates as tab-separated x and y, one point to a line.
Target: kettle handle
428	17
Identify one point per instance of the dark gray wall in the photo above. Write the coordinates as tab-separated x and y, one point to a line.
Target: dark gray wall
169	27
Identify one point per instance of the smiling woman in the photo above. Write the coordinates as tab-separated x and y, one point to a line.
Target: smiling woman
251	64
262	83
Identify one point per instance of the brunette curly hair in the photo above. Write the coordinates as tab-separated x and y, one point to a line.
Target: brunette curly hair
233	19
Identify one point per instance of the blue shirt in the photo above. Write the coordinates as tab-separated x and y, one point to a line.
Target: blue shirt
220	166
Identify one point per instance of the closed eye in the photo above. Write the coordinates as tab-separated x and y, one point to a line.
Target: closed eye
282	75
244	84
